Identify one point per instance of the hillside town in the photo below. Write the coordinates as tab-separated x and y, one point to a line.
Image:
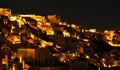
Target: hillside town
35	42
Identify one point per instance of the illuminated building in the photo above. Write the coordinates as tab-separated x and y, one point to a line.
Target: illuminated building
5	12
34	40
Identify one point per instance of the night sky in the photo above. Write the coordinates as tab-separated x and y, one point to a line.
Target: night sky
88	14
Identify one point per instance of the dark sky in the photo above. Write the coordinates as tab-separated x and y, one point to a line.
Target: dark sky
88	14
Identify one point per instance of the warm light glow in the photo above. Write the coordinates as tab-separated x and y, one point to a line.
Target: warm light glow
13	18
92	30
14	39
32	36
20	59
66	34
116	63
106	31
58	46
64	23
103	59
31	41
109	34
63	58
23	64
78	37
60	23
85	40
73	26
14	67
109	66
114	45
104	64
5	11
87	57
44	43
83	30
50	31
12	27
48	24
3	61
73	55
21	22
36	17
